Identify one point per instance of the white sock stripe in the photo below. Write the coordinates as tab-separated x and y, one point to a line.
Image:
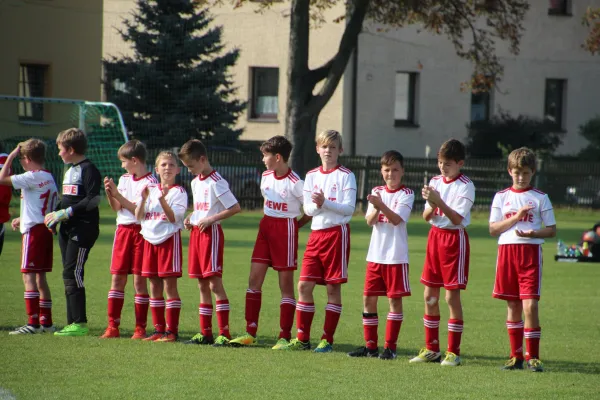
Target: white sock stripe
31	295
253	291
395	316
530	335
431	324
46	304
370	321
515	325
305	308
333	308
157	303
205	311
173	304
222	307
113	294
287	300
455	328
141	300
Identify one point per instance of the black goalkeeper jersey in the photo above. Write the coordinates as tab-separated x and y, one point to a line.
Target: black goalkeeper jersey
81	191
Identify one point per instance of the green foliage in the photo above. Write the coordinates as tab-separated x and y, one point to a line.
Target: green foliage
503	133
127	369
591	131
176	86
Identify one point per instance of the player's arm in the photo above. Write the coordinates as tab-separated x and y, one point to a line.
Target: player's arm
140	210
170	214
305	219
372	216
545	232
231	211
499	227
348	204
428	213
5	179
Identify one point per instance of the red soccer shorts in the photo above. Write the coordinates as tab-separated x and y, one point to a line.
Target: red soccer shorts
36	250
128	250
205	254
163	260
326	256
518	272
389	280
447	259
277	243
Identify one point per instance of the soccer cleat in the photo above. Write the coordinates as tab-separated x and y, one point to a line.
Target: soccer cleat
364	352
426	355
73	330
111	332
513	363
297	344
388	354
535	365
168	337
139	333
324	347
244	340
221	341
49	328
26	330
200	339
451	360
155	336
281	344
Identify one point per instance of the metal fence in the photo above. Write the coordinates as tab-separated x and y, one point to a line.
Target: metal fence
566	182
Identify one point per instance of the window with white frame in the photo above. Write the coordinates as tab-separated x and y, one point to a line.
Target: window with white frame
264	93
405	98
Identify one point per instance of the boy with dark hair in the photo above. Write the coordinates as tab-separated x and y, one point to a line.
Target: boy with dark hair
5	196
38	196
128	248
79	217
277	240
449	197
387	259
213	202
516	218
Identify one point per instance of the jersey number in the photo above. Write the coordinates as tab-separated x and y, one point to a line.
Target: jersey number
46	197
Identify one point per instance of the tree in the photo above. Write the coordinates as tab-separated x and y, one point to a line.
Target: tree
453	18
176	85
503	133
591	19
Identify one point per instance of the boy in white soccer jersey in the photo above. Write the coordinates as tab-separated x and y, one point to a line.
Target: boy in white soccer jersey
330	198
277	240
38	197
387	260
161	211
449	198
516	217
213	202
128	245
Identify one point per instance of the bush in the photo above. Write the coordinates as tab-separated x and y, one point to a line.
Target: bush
504	133
591	131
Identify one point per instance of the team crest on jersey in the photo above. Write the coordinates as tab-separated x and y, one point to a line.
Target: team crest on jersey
266	188
283	194
316	188
205	193
507	204
334	188
395	204
531	203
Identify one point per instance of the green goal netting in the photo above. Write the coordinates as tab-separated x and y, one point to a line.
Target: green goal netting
22	118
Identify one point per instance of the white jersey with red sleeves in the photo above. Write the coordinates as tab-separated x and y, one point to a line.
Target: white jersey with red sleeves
458	194
156	228
506	204
389	243
38	197
211	196
339	188
131	188
283	195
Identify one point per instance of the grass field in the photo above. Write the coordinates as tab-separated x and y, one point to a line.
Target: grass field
44	366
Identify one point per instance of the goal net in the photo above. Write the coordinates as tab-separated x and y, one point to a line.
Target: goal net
22	118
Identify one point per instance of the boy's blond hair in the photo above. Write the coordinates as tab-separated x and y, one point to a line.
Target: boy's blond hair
73	138
328	136
166	154
34	149
192	150
521	158
133	148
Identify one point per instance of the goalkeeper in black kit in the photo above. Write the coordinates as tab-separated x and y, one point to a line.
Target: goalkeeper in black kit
79	217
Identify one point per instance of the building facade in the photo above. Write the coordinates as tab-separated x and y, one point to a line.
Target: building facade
48	49
407	84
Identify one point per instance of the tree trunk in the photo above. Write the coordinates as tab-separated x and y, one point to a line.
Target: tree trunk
304	155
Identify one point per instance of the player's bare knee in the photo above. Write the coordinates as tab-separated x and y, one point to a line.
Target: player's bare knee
305	288
530	308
